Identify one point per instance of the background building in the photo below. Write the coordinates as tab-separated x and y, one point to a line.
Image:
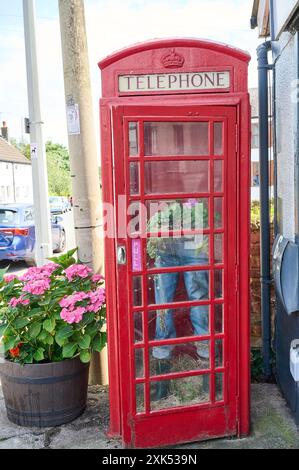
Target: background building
15	173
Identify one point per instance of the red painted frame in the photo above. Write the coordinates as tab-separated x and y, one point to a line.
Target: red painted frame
113	109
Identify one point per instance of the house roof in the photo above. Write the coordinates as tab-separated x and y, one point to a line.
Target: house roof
9	153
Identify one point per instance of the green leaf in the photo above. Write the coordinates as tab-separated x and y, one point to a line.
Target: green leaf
49	339
63	334
2	330
21	322
10	343
39	355
49	325
3	272
66	259
69	350
85	356
34	330
84	341
92	330
28	359
99	342
88	317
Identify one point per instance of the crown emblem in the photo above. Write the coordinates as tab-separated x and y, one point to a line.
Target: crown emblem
172	59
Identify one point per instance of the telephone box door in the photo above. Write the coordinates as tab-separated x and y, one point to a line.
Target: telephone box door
175	189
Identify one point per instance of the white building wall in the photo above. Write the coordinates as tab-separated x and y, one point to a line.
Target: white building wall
6	183
286	131
23	183
15	183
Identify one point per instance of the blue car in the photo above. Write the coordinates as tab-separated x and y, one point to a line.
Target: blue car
17	233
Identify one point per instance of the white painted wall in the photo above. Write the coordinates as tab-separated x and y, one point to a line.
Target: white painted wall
286	132
15	183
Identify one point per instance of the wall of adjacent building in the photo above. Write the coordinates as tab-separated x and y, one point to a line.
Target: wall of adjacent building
285	55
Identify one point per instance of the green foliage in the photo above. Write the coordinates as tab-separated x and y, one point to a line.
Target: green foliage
32	326
65	260
255	212
58	165
256	365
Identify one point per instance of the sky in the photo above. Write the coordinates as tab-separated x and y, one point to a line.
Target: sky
111	25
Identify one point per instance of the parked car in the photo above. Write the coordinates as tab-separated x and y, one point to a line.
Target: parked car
67	204
17	233
57	205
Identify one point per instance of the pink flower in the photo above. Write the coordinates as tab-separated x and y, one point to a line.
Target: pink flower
97	299
14	302
38	273
72	316
77	270
37	287
10	277
97	278
71	300
49	268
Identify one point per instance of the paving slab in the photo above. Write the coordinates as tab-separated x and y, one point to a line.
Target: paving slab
272	427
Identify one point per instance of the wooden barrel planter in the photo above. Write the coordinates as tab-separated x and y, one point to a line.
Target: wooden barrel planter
44	395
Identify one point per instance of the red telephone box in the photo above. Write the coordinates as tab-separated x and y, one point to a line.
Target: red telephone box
175	119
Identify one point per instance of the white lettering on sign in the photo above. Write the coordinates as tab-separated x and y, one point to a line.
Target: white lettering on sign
174	81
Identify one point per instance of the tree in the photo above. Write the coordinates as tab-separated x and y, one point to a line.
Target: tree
58	165
58	169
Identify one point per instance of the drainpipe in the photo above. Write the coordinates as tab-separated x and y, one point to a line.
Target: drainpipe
263	67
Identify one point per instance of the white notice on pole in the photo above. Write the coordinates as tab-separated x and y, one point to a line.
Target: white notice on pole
73	119
33	151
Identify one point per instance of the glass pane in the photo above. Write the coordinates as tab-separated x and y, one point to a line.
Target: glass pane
218	281
180	392
219	386
218	212
218	176
178	214
133	138
184	251
137	291
178	322
218	318
181	358
176	138
178	287
139	363
140	398
218	138
138	327
218	353
136	254
134	178
177	177
218	248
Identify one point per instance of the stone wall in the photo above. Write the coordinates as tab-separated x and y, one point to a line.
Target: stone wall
255	288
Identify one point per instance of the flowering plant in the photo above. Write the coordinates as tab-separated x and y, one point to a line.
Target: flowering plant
52	313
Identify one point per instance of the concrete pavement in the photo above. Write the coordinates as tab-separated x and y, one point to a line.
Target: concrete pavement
272	427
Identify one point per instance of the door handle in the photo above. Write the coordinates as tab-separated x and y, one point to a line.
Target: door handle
121	255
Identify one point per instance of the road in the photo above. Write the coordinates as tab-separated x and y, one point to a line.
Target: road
68	223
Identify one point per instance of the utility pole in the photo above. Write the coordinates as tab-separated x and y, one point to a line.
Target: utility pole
82	145
43	236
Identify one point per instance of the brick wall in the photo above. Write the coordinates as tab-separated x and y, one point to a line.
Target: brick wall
255	288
